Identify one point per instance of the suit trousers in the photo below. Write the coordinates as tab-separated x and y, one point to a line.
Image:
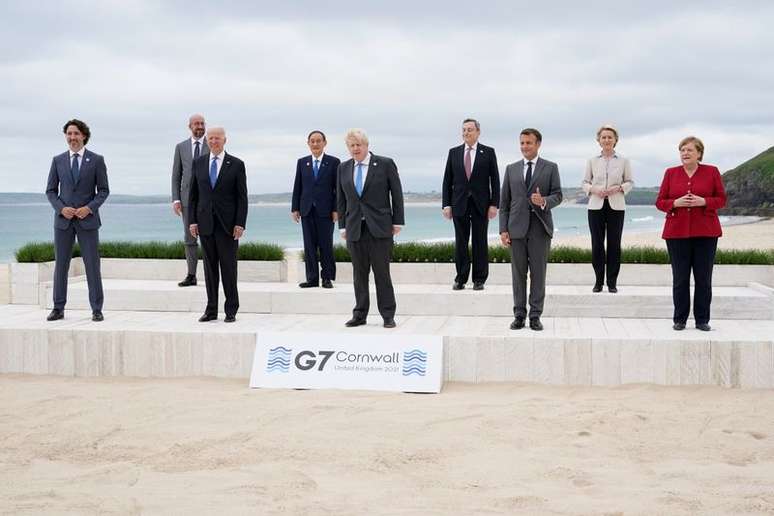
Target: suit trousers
606	222
318	237
695	254
220	260
462	233
372	253
191	245
88	240
530	253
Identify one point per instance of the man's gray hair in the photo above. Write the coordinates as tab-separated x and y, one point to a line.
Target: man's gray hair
475	122
358	135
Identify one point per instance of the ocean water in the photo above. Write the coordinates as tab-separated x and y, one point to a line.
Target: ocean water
22	223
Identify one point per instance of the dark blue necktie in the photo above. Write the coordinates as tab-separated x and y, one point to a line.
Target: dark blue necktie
359	180
214	171
528	175
316	167
75	170
196	149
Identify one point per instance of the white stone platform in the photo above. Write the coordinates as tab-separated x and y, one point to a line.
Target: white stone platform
752	302
571	351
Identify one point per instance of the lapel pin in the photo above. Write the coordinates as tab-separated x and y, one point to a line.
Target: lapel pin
375	163
481	151
88	159
307	163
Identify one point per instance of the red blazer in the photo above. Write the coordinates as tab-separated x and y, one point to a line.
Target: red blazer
691	222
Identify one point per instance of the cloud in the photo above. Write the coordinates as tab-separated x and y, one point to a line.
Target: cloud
407	72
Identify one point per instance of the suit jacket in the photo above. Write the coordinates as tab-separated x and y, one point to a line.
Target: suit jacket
515	206
91	189
181	169
320	192
484	184
600	176
226	203
381	204
701	221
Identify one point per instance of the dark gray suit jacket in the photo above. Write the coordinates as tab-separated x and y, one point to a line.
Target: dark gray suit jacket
381	204
515	205
182	164
91	189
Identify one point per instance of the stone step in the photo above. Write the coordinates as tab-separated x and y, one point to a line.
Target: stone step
571	351
751	302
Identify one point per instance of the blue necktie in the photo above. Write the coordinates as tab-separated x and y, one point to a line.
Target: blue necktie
316	168
214	171
359	179
75	170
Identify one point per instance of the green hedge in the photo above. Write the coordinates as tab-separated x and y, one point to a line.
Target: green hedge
414	252
37	252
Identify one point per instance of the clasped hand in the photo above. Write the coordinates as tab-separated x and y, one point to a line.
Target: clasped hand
69	212
690	200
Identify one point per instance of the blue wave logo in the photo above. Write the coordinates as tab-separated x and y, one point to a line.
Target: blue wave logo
414	362
279	360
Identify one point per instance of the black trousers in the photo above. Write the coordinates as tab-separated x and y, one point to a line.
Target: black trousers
372	253
606	222
220	260
318	236
698	255
462	233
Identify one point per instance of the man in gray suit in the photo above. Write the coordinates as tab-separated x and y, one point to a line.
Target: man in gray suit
76	188
531	188
370	206
185	154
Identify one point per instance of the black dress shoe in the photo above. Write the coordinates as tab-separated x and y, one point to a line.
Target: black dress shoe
597	288
230	318
458	286
189	281
355	321
612	290
478	286
55	315
327	283
535	324
703	326
97	316
389	323
517	323
208	317
308	284
678	326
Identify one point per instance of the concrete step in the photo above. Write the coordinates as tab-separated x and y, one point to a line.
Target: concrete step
753	302
571	351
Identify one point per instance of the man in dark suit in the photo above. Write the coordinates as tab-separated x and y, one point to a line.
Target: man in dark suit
531	188
471	196
185	153
314	204
217	210
77	186
370	203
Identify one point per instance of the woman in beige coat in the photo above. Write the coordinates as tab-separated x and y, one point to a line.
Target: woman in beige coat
607	180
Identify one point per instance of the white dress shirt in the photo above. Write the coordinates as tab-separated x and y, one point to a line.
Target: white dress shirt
526	166
80	154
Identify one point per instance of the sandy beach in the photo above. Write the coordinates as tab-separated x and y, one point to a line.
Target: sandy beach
755	235
202	446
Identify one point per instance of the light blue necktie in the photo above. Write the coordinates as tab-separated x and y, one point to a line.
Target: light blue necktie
359	179
316	168
214	171
75	170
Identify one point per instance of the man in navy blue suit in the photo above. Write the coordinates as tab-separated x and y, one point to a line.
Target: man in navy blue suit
314	205
76	188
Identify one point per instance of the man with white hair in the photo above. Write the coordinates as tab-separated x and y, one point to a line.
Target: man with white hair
217	210
370	206
185	153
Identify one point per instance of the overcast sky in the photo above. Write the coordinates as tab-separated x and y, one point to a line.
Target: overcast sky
407	72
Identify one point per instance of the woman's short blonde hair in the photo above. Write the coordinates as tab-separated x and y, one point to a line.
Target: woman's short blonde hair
357	135
696	143
610	128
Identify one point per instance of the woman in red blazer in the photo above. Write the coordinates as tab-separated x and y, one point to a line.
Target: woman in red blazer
691	195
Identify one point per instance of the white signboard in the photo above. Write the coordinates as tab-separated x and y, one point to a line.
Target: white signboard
408	363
